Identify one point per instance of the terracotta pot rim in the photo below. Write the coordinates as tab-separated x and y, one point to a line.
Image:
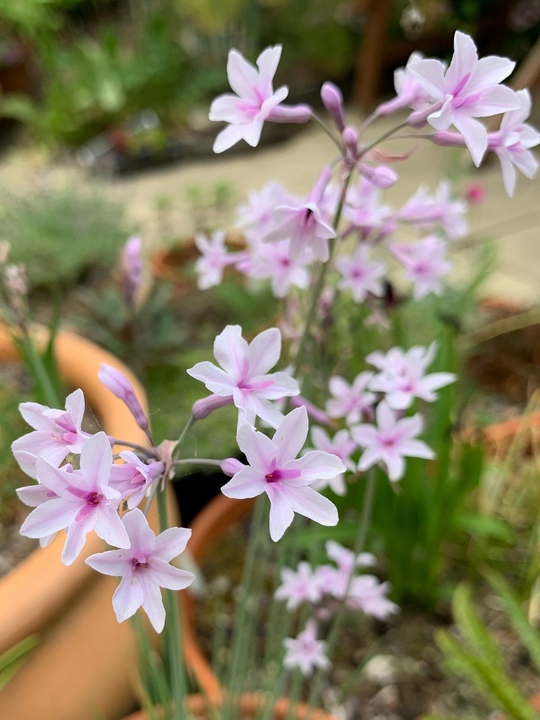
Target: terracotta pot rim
250	705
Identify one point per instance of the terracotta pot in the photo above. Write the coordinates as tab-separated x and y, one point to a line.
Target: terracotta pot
250	705
175	264
85	662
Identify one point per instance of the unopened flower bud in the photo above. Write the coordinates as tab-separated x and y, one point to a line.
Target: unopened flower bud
381	176
131	267
333	102
350	140
231	466
120	386
290	114
202	408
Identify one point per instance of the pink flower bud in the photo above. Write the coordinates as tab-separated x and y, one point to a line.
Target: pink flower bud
381	176
132	267
120	386
333	102
202	408
350	140
475	193
290	114
231	466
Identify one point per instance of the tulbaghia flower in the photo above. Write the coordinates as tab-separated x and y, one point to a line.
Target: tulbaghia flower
255	216
304	224
57	433
469	88
350	401
243	376
390	441
214	259
346	559
360	274
255	100
305	651
134	477
368	594
298	587
436	212
409	93
273	261
274	469
425	264
513	141
408	381
82	501
340	445
365	212
144	568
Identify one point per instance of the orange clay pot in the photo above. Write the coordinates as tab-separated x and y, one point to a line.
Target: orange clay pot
251	705
85	663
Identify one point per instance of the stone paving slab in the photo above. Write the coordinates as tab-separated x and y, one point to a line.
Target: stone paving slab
513	224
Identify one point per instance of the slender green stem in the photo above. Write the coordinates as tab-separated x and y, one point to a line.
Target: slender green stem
241	638
190	423
39	371
327	131
196	461
173	633
384	136
149	452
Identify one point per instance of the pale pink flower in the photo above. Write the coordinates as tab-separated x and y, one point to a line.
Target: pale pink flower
305	651
242	374
255	100
440	211
360	274
273	261
350	401
390	441
425	264
365	212
298	587
274	469
144	568
83	501
513	141
214	259
409	93
134	477
346	559
469	88
304	224
368	594
255	217
57	433
340	445
409	381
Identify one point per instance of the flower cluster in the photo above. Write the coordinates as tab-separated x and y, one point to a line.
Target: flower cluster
321	587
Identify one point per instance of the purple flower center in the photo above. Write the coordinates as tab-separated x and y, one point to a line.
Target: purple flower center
94	498
278	475
65	430
139	562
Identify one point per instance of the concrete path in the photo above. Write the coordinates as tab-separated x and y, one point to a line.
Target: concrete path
512	224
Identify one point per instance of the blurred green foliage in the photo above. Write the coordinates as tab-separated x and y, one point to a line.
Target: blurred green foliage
61	233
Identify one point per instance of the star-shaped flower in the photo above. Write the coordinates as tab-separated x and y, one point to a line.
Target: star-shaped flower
274	469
